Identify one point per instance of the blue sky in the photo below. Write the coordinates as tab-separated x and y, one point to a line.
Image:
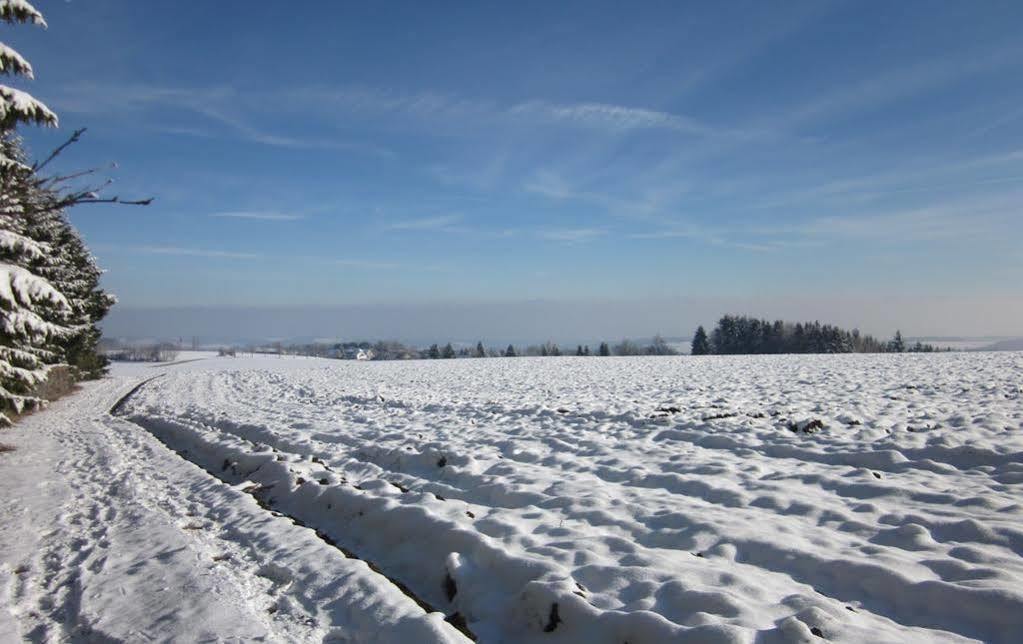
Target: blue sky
347	154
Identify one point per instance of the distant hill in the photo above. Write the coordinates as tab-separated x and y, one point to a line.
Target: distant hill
1012	344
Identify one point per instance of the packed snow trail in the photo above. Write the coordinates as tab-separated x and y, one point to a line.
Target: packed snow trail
774	498
106	535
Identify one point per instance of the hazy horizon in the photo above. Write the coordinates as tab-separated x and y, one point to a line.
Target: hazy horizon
533	321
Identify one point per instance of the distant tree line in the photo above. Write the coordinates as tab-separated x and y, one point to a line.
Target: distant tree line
740	334
161	352
393	350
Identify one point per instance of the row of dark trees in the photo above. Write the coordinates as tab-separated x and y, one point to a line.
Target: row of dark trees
393	350
741	334
159	352
733	335
657	346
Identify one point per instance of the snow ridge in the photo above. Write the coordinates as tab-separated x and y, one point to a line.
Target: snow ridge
644	499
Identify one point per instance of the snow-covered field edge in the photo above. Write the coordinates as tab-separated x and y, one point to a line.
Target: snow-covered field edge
484	491
106	535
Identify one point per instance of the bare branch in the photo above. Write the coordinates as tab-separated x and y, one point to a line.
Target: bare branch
75	136
123	202
49	181
81	195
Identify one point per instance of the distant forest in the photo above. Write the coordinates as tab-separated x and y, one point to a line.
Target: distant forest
391	350
740	334
733	335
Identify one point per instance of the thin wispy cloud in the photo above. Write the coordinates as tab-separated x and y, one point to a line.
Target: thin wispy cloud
987	217
257	135
222	104
670	233
426	223
925	178
649	204
193	252
778	23
899	83
994	124
366	264
610	117
373	265
719	238
571	235
591	115
269	217
226	105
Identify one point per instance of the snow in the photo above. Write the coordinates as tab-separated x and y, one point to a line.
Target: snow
21	11
11	62
663	499
13	243
106	535
20	290
20	287
16	105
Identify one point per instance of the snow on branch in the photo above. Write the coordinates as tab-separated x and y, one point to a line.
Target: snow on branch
19	287
14	11
13	64
12	242
18	106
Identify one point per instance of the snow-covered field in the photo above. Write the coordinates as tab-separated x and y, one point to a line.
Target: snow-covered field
641	500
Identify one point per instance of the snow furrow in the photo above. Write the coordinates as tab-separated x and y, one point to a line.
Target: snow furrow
110	536
862	497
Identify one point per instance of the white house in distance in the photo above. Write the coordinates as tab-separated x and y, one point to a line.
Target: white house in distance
351	351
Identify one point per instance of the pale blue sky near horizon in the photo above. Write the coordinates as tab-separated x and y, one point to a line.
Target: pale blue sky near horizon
339	154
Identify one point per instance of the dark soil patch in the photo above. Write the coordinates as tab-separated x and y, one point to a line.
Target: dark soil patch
450	588
727	414
553	619
809	427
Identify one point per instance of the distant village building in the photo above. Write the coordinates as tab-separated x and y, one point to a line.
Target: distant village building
351	351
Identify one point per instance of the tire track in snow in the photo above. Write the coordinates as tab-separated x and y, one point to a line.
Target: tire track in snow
261	496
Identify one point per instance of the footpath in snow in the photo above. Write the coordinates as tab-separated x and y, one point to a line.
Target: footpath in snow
107	535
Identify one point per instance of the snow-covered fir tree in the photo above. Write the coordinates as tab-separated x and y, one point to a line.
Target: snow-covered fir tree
34	315
30	307
73	271
50	300
17	106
